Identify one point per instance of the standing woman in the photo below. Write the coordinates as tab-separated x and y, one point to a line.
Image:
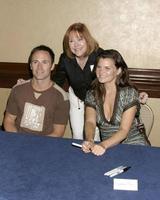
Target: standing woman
113	104
76	65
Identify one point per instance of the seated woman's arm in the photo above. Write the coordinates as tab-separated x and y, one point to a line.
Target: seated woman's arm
90	126
9	122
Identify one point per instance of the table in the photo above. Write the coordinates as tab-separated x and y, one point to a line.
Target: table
45	168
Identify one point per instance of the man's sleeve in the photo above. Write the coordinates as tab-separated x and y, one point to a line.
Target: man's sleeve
62	111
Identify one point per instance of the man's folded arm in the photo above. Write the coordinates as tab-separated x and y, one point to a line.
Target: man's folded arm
9	122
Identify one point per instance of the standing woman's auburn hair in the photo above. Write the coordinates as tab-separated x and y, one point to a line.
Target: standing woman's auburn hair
122	78
82	32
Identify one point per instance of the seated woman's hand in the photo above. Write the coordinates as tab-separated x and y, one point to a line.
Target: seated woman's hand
143	97
98	150
87	145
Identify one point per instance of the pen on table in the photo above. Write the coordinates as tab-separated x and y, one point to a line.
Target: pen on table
114	170
120	171
76	145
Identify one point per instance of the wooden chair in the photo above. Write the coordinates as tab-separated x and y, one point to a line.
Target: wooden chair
147	118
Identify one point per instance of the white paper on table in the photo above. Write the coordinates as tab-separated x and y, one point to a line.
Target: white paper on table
125	184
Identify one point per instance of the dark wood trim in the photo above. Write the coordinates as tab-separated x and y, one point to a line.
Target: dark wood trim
11	72
147	80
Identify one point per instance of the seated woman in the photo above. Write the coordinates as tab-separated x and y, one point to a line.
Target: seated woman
113	105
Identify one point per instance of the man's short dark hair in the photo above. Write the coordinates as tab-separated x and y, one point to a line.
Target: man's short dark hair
42	48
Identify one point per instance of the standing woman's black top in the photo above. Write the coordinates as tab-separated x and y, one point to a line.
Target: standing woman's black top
80	80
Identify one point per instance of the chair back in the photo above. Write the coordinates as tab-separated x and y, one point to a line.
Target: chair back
147	117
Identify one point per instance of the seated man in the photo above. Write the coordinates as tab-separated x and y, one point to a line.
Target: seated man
38	106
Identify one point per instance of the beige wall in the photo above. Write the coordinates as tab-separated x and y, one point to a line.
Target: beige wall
130	26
